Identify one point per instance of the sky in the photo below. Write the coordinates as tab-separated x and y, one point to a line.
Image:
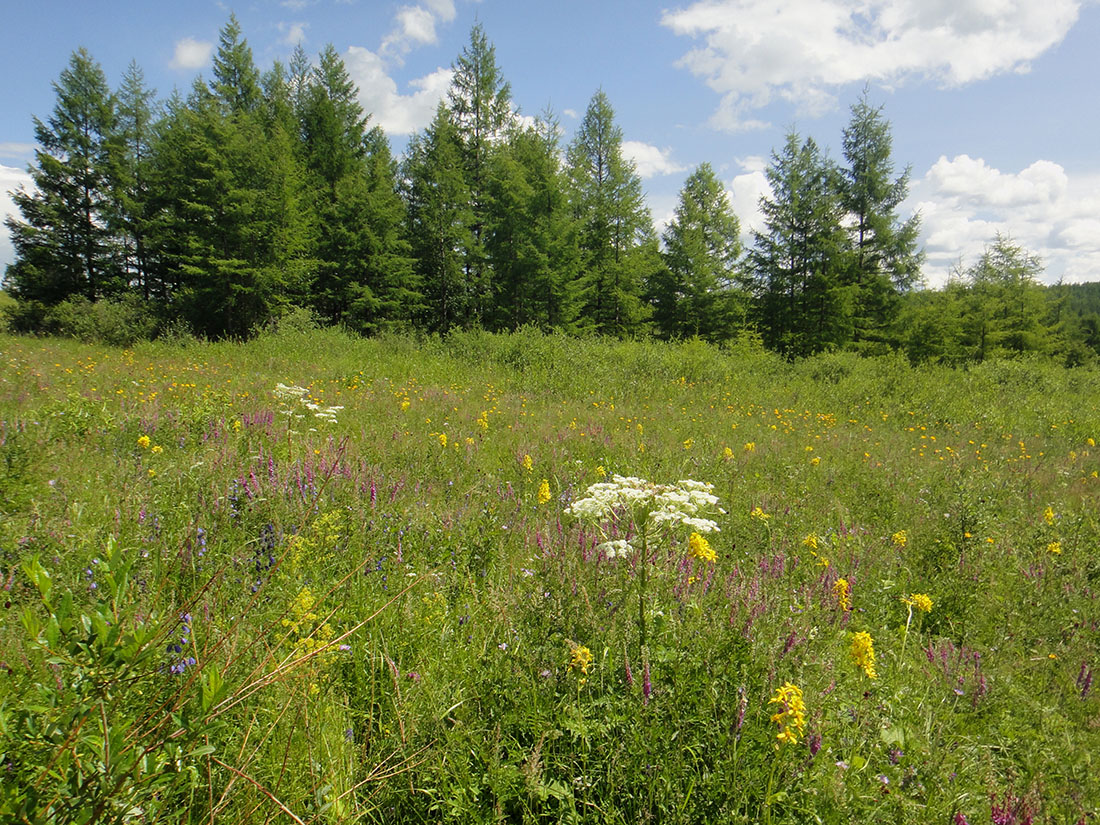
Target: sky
992	103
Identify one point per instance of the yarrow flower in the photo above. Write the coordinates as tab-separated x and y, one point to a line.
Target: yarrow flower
863	653
921	601
701	549
544	492
791	715
842	590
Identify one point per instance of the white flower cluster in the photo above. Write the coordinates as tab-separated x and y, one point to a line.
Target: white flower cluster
648	506
290	395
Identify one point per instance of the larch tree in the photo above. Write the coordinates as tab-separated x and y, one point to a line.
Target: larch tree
701	290
617	241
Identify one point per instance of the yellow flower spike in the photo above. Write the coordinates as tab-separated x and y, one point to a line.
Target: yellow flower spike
528	462
1048	515
442	439
700	548
727	453
143	442
863	653
791	716
842	590
544	492
580	657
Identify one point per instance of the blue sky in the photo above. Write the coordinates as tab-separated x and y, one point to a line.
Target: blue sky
992	102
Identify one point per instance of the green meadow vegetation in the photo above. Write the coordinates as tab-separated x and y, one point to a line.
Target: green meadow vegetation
316	578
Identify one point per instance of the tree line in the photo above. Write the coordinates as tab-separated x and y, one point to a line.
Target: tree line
259	191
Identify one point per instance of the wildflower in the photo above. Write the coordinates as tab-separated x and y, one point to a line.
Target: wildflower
1090	441
689	443
750	446
528	463
483	421
615	549
900	538
810	541
791	716
580	658
701	549
863	653
815	461
157	449
1048	515
1055	547
843	592
758	514
442	439
921	601
237	425
143	442
727	453
600	471
544	492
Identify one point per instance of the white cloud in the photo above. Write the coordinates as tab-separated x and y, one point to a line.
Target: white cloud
191	53
293	33
801	51
570	113
18	151
297	5
396	113
964	203
415	26
10	180
745	191
651	160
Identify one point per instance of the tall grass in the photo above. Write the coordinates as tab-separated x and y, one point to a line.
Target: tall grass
377	620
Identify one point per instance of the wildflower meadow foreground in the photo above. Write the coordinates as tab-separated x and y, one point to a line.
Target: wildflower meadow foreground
526	578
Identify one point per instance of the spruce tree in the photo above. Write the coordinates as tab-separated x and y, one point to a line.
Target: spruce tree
700	290
64	245
618	245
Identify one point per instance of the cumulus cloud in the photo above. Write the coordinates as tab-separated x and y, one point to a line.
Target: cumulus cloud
964	202
745	191
293	33
10	150
753	52
191	53
650	160
396	113
415	26
10	180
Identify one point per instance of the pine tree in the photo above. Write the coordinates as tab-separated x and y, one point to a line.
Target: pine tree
480	109
798	259
700	291
885	260
236	79
618	245
64	245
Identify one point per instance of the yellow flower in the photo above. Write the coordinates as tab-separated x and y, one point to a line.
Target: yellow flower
727	453
442	439
600	471
405	404
152	472
237	425
863	653
815	461
810	541
544	492
750	446
1091	442
900	538
483	421
1055	547
158	449
143	442
843	592
758	514
1048	515
689	443
580	658
528	463
701	549
921	601
791	717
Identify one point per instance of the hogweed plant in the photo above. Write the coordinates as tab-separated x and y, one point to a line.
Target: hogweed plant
645	512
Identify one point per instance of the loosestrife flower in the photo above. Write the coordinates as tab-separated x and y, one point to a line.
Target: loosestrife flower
528	463
900	538
701	549
863	653
544	492
580	658
842	590
921	601
791	715
1048	515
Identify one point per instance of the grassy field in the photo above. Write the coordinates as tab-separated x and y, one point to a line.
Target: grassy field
367	596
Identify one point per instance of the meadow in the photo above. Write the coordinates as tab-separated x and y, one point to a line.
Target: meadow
315	578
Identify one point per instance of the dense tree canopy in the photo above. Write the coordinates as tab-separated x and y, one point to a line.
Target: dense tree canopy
259	191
